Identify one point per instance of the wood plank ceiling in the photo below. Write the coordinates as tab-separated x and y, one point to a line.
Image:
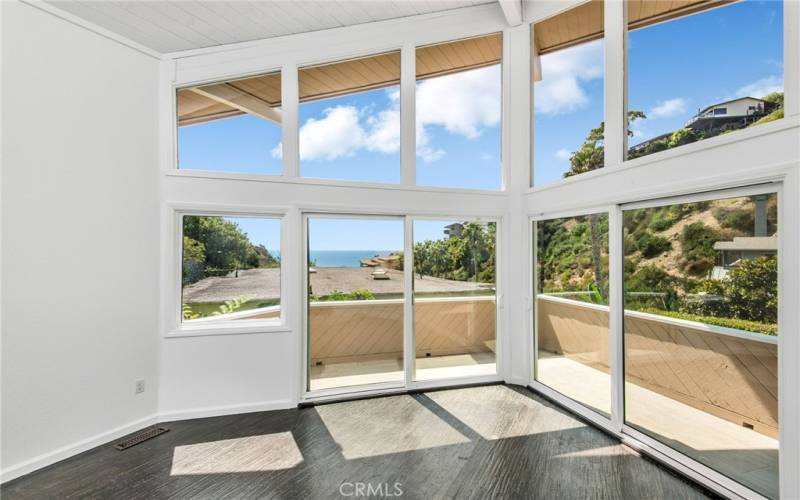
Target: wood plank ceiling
175	25
215	101
585	22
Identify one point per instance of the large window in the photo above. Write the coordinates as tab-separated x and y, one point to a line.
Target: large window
454	298
230	269
571	310
355	306
458	113
699	76
567	70
700	342
232	126
350	119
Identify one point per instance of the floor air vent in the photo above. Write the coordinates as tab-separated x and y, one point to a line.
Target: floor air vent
140	437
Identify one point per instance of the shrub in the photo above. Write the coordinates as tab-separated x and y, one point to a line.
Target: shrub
738	324
651	279
697	247
357	294
651	245
749	292
735	218
682	136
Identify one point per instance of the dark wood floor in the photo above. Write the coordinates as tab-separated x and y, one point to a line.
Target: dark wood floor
480	442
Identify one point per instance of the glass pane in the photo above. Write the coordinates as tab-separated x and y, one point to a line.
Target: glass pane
355	310
701	351
350	119
690	80
454	298
571	312
231	269
232	126
458	101
568	94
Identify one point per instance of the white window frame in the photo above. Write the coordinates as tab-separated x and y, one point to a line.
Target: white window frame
615	39
295	152
533	281
174	326
409	382
173	104
791	92
411	138
196	67
788	345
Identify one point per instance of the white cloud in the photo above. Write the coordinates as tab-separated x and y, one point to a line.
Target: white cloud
463	103
344	130
563	75
337	134
562	154
668	108
761	87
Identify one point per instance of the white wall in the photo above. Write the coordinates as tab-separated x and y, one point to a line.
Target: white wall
80	238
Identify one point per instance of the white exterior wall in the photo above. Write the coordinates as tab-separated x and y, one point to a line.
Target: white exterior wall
735	108
79	239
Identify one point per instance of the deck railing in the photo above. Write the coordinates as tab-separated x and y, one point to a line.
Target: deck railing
361	330
729	373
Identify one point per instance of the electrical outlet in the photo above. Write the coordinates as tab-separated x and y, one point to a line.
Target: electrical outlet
139	386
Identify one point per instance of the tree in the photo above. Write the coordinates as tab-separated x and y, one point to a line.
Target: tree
194	259
467	256
589	156
224	247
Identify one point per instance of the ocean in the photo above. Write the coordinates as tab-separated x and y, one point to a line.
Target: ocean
343	258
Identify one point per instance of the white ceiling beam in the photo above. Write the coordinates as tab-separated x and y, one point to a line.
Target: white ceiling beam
235	98
512	9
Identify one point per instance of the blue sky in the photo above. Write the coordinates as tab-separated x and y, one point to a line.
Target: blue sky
357	137
369	234
261	231
674	68
343	234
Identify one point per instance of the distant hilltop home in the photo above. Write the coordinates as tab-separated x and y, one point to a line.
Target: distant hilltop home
741	110
731	253
733	114
453	229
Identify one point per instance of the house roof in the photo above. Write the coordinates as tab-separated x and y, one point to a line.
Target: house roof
728	102
749	243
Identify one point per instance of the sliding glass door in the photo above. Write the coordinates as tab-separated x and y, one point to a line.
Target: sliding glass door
701	332
571	310
355	301
454	298
370	327
659	321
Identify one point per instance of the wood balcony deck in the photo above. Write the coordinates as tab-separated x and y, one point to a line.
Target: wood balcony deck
708	392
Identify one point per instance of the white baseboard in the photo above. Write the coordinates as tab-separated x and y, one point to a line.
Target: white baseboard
64	452
45	459
218	411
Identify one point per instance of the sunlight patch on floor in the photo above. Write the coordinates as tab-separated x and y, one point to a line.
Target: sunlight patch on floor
487	415
396	424
270	452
